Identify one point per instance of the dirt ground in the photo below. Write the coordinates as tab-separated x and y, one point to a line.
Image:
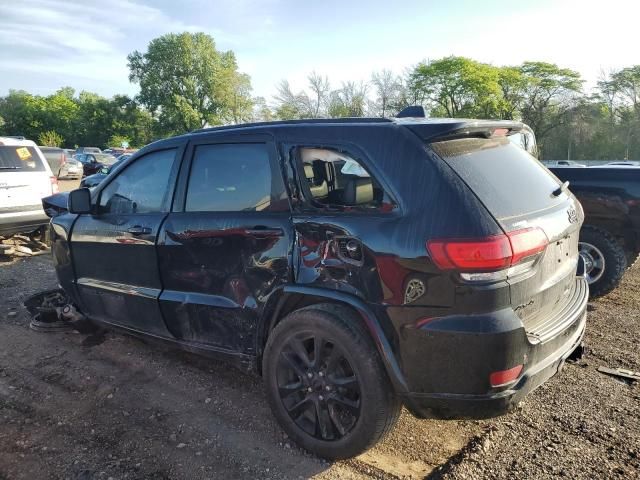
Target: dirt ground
114	407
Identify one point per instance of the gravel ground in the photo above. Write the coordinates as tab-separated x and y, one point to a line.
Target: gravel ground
580	424
84	407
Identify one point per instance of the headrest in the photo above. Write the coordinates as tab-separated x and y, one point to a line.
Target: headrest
358	191
308	170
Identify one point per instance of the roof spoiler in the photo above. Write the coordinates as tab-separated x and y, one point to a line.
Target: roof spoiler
466	129
413	111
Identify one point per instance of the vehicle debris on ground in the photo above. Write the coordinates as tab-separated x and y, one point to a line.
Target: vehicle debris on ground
22	245
623	373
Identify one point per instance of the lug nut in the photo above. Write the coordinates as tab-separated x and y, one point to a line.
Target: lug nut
320	397
309	389
321	374
327	388
310	375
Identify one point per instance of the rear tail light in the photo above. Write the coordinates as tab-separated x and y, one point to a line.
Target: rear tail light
526	243
54	185
502	378
63	159
495	253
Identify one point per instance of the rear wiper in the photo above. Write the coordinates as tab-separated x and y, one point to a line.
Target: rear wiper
560	189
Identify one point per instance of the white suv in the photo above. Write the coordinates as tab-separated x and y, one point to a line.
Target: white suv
25	178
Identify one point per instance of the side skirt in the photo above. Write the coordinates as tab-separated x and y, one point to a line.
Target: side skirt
244	362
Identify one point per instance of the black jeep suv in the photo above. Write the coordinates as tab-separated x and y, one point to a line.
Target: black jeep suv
356	264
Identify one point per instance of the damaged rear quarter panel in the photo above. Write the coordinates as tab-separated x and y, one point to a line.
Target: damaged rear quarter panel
431	202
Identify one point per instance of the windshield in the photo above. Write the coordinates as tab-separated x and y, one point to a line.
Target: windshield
14	158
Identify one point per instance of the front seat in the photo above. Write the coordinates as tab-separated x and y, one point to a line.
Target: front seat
317	185
358	191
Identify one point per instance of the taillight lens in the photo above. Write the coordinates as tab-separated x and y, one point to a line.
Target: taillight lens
63	159
493	253
502	378
54	185
526	243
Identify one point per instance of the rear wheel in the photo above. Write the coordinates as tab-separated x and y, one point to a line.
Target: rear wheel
326	384
604	258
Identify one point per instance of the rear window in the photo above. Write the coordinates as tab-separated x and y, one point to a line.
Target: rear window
15	158
507	179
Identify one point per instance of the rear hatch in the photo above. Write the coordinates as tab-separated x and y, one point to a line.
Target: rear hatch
522	195
24	179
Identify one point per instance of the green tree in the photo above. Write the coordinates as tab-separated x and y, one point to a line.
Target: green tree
513	87
21	113
290	105
50	139
626	84
349	101
188	83
241	103
550	92
457	87
58	112
303	104
621	93
261	111
117	141
387	87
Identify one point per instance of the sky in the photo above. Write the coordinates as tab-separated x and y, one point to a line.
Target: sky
48	44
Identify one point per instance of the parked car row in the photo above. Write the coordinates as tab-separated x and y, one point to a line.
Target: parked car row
61	163
100	175
79	163
93	162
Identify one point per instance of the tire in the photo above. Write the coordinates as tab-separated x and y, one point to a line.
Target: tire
597	245
353	397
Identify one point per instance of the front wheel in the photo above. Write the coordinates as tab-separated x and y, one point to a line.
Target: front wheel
326	383
604	259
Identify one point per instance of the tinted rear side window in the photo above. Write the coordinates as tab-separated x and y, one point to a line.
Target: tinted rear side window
507	179
14	158
233	178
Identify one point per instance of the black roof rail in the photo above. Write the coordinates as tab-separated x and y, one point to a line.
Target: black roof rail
413	111
344	120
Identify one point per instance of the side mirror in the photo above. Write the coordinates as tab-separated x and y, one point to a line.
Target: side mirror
104	170
79	201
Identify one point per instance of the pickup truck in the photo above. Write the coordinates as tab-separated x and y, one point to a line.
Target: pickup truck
610	235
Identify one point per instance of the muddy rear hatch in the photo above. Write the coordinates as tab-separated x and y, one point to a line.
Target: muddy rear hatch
541	220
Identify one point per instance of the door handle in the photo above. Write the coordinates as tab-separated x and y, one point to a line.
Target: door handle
139	230
260	231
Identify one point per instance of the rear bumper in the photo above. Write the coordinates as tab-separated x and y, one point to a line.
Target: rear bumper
22	221
457	363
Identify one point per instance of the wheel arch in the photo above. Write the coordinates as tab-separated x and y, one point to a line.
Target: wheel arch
620	229
293	297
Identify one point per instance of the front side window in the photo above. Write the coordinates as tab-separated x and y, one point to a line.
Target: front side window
333	178
141	187
234	178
